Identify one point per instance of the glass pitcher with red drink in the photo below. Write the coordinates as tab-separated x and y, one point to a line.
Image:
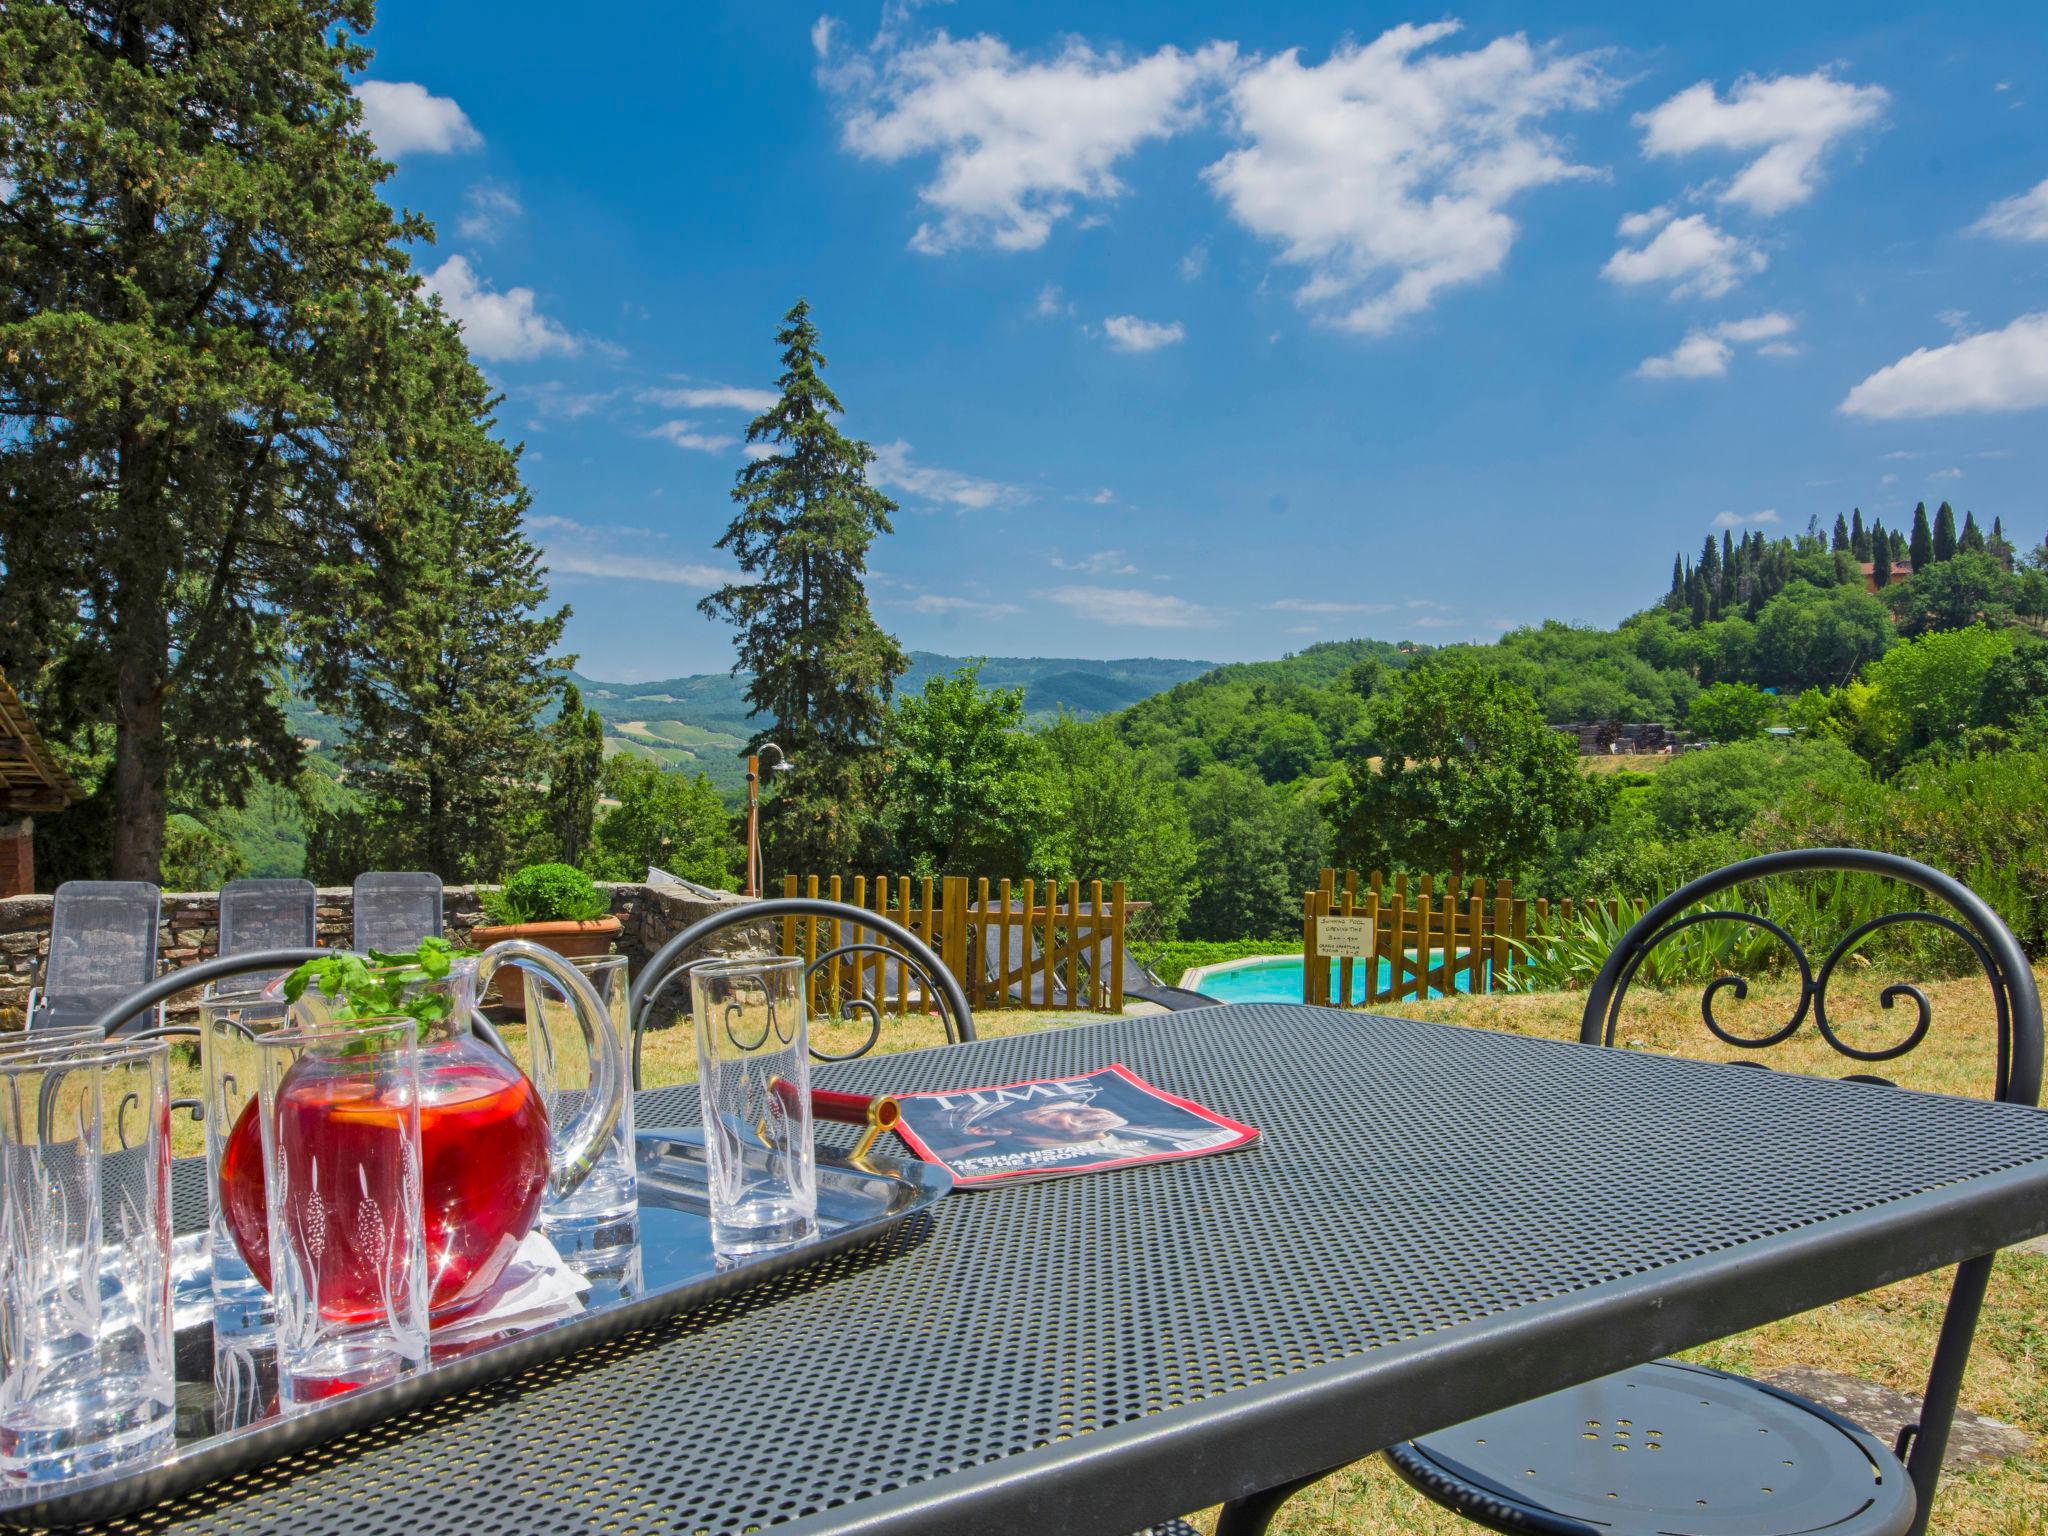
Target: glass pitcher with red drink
488	1154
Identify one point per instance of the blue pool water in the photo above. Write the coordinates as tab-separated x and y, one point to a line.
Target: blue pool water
1279	981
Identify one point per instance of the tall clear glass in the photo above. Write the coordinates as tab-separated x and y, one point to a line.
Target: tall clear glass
346	1231
85	1217
600	1213
231	1024
754	1080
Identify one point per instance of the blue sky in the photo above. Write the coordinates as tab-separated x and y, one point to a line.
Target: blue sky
1215	330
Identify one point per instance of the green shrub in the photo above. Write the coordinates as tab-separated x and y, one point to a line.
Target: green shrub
1722	788
546	893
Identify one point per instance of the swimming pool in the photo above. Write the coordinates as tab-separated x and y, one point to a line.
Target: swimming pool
1277	979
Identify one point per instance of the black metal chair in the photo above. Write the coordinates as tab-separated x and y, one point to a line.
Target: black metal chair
902	955
395	909
1672	1447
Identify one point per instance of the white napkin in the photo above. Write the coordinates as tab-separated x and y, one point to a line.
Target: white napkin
536	1287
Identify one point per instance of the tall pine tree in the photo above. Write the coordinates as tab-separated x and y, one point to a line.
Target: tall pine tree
1880	556
1971	541
203	307
575	769
1841	532
1920	546
444	679
1859	540
821	668
1944	533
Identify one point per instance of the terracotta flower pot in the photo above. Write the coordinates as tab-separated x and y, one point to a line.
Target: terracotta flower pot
575	940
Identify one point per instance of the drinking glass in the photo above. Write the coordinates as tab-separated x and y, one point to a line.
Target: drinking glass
231	1024
346	1232
86	1375
598	1213
754	1080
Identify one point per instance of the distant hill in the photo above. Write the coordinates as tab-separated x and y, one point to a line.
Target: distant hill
701	722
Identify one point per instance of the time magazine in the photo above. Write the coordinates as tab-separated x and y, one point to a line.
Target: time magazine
1048	1127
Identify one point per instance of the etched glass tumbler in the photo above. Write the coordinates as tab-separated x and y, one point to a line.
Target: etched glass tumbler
754	1082
85	1323
231	1023
346	1231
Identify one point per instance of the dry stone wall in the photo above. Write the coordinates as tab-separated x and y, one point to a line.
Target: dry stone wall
189	928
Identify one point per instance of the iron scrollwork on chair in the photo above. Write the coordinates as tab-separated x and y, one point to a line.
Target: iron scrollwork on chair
894	945
1975	926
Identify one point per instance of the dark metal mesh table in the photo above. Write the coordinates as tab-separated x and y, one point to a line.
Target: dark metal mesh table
1438	1222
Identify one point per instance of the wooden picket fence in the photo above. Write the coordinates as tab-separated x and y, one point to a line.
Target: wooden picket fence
1429	938
1012	944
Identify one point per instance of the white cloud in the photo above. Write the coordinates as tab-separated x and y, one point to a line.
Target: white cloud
1101	498
687	434
1738	520
712	397
1693	255
1019	141
491	209
1051	302
1132	608
404	118
1386	173
1308	605
1706	351
1789	123
553	401
1434	623
1195	263
1127	333
2004	370
893	467
1634	226
1946	474
631	567
1104	562
972	607
2024	217
499	326
1888	480
761	450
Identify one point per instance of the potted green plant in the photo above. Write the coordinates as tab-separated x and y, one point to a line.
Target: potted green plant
554	905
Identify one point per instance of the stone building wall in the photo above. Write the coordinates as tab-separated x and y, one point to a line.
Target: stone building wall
189	928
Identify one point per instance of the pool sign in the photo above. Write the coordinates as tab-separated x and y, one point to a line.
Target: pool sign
1344	936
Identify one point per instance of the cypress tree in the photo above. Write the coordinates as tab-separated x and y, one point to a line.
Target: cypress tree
1920	548
1972	540
575	768
1880	557
822	668
1841	532
1675	598
1859	540
1945	533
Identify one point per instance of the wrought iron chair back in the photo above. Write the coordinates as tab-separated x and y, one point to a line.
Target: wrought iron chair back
395	909
2016	1004
103	945
903	956
2016	1000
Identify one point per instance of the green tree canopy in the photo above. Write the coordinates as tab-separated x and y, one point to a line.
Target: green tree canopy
659	817
1113	819
1259	848
1966	589
1925	692
1721	788
965	793
1809	636
822	669
207	334
1920	543
1470	778
1730	712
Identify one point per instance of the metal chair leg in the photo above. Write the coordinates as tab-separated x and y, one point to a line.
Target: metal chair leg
1250	1515
1923	1445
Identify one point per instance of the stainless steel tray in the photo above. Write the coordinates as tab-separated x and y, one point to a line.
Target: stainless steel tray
228	1419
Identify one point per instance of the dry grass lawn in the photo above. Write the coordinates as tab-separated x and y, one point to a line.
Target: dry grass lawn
1886	1337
